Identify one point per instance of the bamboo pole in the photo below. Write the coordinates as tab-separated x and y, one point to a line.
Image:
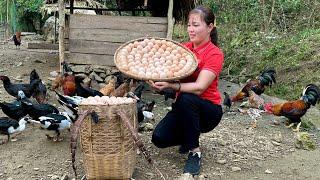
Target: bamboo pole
170	20
61	34
7	20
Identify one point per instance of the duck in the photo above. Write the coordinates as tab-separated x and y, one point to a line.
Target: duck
54	123
70	104
14	109
9	126
13	89
144	109
37	110
72	101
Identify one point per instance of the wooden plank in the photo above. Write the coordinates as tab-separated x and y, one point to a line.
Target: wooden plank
87	47
74	18
92	59
118	22
111	35
42	45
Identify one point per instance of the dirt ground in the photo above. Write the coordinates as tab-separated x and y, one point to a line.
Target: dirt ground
231	151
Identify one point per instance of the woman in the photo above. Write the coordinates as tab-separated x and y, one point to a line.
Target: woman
197	108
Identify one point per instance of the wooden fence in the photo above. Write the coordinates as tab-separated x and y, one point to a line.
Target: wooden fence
94	39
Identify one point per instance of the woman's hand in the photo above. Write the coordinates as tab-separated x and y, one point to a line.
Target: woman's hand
160	85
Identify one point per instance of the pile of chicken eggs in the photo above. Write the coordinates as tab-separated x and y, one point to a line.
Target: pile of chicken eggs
106	100
154	59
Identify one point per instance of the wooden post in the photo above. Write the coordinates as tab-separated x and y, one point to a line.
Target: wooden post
71	6
170	20
61	34
55	27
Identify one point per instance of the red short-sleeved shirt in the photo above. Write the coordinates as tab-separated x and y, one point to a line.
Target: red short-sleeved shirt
210	58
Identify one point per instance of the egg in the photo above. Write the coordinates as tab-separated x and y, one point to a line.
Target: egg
155	75
153	58
135	43
143	43
169	74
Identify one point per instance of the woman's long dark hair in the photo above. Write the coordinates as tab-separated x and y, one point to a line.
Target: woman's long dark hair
208	17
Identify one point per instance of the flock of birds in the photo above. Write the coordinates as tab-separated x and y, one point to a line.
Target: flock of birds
293	110
31	104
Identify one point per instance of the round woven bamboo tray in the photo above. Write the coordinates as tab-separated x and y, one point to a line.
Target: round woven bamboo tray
108	147
175	78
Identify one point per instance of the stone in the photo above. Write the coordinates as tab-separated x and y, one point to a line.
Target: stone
103	75
78	68
268	171
54	177
95	76
48	29
235	169
54	73
304	141
221	161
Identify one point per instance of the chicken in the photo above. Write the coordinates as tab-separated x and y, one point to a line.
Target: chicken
56	83
294	110
122	90
9	126
109	88
40	92
266	78
66	81
55	123
85	91
120	78
136	92
13	89
69	86
227	101
17	39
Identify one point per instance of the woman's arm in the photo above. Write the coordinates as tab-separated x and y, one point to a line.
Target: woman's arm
203	81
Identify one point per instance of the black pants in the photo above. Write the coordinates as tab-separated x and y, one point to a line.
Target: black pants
190	116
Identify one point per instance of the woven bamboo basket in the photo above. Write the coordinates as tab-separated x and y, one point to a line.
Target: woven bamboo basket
108	148
175	78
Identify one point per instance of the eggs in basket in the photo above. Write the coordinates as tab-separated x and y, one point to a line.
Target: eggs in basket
155	59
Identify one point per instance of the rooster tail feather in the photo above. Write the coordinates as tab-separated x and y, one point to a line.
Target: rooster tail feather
311	94
267	77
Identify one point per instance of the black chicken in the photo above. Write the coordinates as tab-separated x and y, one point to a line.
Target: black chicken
40	92
13	89
227	101
85	91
